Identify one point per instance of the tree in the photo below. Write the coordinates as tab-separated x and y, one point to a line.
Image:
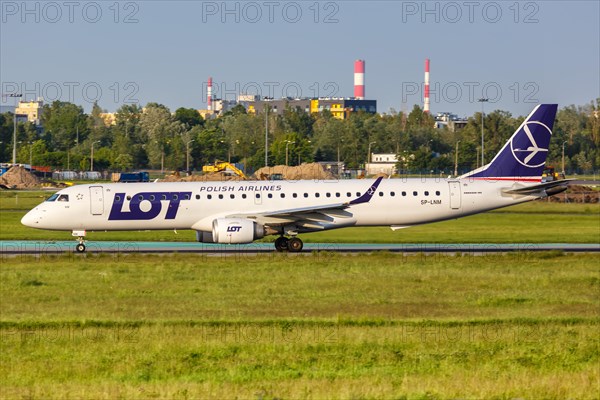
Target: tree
162	133
189	117
64	123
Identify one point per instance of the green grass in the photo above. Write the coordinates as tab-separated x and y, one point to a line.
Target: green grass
311	326
534	222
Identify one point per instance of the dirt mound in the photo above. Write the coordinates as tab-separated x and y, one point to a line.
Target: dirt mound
19	178
304	171
577	194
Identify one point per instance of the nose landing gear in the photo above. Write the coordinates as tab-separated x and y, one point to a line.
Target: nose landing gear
80	247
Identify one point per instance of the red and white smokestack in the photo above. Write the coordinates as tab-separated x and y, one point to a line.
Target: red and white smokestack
359	79
426	90
209	94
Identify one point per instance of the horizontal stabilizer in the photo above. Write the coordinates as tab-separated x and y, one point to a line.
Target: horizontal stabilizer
546	189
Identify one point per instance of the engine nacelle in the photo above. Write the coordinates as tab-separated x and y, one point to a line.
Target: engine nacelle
236	230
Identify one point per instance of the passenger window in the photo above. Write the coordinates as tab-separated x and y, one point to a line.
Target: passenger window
426	193
63	197
348	194
403	193
117	198
337	195
317	195
270	196
209	196
163	197
258	195
197	197
187	197
175	197
152	197
392	194
232	196
328	194
282	195
437	192
129	197
305	194
358	194
380	194
243	195
415	193
220	196
294	195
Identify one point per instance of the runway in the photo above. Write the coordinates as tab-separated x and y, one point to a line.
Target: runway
23	247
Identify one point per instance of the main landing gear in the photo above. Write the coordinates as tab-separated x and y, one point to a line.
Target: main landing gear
293	245
80	247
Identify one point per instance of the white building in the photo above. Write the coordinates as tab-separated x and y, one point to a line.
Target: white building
382	164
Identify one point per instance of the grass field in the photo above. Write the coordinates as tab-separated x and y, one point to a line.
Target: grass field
311	326
534	222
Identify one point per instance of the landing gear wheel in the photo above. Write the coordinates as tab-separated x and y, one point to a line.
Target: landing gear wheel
281	243
295	245
80	248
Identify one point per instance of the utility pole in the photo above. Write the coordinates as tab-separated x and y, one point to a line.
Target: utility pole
287	143
266	135
187	155
482	100
369	155
14	152
92	156
563	157
456	159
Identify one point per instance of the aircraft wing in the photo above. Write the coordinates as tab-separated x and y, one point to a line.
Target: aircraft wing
323	213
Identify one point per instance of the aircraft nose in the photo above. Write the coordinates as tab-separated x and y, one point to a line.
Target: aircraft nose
31	219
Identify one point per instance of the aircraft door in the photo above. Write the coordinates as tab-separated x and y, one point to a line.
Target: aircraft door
96	200
454	195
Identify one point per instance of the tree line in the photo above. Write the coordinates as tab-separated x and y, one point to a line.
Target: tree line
153	137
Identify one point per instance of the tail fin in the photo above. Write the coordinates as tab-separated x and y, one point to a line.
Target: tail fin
524	155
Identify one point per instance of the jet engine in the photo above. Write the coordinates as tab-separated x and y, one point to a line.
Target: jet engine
236	230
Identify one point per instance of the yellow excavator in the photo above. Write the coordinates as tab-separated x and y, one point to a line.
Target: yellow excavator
224	166
550	175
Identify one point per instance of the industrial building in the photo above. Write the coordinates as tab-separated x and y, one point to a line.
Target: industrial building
339	107
30	111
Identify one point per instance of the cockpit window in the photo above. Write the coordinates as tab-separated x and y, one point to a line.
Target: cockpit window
53	197
63	197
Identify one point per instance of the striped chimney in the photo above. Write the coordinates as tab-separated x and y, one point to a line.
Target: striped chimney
209	94
359	79
426	94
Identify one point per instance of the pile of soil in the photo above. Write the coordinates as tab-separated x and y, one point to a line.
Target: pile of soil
577	194
304	171
18	177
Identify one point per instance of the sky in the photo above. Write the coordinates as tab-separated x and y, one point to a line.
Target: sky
516	54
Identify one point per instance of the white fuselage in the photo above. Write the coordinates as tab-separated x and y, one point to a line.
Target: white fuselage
195	205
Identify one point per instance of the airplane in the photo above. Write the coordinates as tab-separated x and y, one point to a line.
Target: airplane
244	211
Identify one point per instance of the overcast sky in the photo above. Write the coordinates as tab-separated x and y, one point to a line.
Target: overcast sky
515	53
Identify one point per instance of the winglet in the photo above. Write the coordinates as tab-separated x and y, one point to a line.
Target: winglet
366	197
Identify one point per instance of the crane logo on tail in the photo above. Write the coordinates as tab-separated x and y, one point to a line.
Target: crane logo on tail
524	147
